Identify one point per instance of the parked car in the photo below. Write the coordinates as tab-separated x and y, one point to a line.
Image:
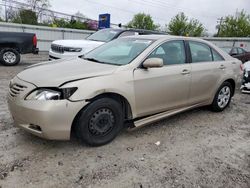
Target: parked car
74	48
133	80
12	44
245	88
238	53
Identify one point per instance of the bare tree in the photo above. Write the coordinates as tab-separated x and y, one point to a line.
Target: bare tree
38	4
41	8
80	16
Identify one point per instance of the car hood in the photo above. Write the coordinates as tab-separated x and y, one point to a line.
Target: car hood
56	73
86	45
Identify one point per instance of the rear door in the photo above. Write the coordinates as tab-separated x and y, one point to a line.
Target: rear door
165	88
207	69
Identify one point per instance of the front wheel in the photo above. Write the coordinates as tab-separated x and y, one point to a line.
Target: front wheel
9	56
222	98
100	122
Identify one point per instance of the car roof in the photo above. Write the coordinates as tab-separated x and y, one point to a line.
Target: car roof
141	31
165	37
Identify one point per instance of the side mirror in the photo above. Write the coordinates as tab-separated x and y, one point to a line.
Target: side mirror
153	63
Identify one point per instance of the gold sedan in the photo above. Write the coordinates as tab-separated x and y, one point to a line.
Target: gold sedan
139	79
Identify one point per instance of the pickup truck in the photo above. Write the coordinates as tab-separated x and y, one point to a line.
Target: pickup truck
75	48
13	44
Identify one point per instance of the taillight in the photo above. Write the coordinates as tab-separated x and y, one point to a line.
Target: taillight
34	41
241	67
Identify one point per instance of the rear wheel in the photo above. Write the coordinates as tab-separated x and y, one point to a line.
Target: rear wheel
9	56
100	122
222	98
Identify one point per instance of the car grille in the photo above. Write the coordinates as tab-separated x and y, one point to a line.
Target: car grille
57	48
16	89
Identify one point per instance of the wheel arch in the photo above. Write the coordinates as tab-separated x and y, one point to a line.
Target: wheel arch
232	82
118	97
10	45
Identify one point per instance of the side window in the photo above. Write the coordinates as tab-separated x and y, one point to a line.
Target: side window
159	51
128	33
217	56
241	51
172	52
200	52
234	51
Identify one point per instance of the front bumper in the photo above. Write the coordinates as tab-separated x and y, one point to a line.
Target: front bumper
47	119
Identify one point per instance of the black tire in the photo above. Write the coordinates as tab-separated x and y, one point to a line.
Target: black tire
100	122
217	106
13	54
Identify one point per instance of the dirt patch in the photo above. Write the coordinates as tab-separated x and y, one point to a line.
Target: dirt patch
197	148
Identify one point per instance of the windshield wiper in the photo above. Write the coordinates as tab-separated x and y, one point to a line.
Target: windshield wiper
97	61
92	59
95	40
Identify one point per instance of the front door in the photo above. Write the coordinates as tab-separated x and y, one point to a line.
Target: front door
165	88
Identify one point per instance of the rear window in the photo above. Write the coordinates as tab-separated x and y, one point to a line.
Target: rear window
104	35
217	56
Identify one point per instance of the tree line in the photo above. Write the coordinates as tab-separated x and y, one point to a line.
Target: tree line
237	25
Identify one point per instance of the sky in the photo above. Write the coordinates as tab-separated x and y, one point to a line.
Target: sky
122	11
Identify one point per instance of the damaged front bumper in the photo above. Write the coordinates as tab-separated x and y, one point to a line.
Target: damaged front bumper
245	87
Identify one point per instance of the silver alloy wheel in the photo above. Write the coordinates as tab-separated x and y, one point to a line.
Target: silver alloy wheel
224	97
9	57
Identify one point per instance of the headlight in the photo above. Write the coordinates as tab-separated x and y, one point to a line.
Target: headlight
51	94
69	49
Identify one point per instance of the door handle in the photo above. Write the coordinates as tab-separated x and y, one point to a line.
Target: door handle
222	67
233	63
185	71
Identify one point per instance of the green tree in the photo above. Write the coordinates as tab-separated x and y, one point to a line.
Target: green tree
181	25
142	21
73	24
235	26
25	16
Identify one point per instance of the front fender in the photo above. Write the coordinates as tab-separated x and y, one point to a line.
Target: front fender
89	88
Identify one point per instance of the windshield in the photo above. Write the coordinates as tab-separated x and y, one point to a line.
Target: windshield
104	35
118	52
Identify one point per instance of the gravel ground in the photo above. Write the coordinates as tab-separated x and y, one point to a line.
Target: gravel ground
197	148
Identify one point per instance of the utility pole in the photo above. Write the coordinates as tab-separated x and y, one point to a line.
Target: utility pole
220	21
6	14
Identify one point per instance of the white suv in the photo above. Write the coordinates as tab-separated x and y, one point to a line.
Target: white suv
75	48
